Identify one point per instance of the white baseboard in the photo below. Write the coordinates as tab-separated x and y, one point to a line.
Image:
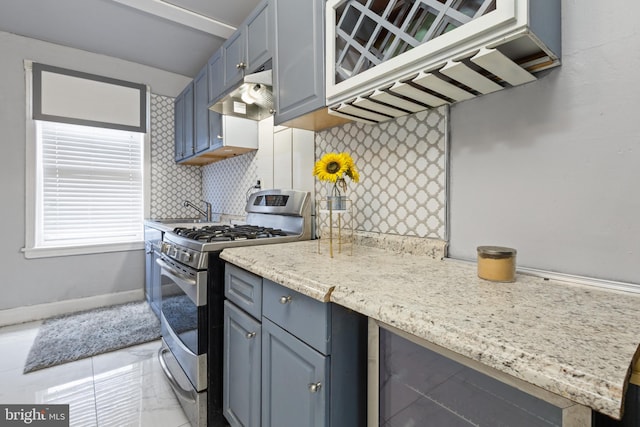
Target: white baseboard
30	313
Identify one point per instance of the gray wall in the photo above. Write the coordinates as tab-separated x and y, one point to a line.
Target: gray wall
29	282
553	168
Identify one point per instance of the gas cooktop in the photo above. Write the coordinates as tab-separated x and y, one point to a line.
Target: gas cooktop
226	233
273	216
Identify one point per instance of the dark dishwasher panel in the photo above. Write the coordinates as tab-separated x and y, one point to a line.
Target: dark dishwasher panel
419	387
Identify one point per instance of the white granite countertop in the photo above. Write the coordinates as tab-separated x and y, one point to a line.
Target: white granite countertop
573	340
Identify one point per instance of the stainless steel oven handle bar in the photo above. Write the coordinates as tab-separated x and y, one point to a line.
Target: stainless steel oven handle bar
186	394
176	275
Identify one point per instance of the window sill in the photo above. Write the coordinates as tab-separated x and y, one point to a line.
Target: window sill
44	252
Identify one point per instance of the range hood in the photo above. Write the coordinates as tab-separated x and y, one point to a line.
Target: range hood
253	99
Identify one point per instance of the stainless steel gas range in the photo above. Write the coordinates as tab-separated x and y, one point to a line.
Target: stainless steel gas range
192	278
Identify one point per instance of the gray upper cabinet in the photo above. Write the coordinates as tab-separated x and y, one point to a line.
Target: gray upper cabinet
178	112
244	52
183	110
216	76
259	30
235	62
201	111
299	61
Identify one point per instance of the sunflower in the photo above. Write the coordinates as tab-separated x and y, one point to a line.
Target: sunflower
331	167
351	171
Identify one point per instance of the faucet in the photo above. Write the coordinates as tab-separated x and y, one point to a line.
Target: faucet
205	214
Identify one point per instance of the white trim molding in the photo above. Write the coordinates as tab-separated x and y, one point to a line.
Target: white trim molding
14	316
182	16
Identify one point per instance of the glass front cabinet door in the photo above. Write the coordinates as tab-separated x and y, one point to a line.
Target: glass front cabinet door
387	58
416	383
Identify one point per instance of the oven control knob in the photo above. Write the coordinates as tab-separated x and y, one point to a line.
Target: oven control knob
186	256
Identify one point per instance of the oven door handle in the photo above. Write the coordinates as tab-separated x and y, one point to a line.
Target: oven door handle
186	394
175	275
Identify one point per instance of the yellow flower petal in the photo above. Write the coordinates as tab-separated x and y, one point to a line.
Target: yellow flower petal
330	167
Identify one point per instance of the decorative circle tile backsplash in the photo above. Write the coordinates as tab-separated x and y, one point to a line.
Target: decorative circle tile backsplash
402	166
226	183
171	184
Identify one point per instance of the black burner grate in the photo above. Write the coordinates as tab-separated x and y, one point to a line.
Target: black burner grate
225	233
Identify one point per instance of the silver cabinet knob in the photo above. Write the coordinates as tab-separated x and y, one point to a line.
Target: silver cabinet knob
285	300
315	387
250	335
241	66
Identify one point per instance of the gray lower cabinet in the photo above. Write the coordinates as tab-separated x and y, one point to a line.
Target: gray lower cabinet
311	367
299	60
242	361
295	381
242	367
152	286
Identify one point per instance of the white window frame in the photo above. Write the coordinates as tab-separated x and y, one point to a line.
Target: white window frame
31	249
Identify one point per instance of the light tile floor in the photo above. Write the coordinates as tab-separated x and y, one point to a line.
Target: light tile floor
124	388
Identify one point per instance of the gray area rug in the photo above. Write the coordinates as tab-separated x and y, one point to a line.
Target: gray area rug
76	336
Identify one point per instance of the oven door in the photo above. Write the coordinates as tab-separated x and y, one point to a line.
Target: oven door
184	318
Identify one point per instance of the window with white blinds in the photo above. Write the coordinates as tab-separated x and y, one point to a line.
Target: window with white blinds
89	185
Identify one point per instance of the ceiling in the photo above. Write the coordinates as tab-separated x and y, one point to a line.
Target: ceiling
173	35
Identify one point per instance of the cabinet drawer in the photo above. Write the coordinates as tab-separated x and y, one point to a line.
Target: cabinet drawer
300	315
244	289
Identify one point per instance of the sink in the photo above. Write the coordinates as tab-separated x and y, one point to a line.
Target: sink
168	224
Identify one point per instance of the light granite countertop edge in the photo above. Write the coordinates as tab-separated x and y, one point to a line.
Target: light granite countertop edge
295	267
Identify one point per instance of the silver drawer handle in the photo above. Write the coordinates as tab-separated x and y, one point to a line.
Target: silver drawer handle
250	335
315	387
285	300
